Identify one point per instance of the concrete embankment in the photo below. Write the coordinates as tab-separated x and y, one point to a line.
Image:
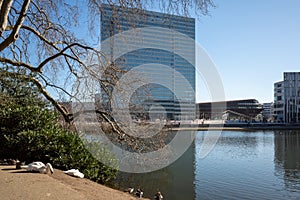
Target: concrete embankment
236	127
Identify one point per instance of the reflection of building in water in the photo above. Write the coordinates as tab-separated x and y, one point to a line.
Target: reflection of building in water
175	181
287	157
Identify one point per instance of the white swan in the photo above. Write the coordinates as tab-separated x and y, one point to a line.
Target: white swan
39	167
74	172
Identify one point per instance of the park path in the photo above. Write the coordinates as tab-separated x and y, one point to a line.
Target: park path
19	184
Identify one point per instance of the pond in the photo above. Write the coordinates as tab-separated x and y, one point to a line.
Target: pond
242	165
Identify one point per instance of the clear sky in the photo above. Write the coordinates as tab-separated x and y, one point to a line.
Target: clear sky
251	43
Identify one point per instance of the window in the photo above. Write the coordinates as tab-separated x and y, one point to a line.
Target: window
279	98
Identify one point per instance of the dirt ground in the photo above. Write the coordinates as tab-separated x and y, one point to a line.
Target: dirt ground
20	184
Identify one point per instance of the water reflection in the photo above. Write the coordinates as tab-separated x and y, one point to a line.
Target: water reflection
287	158
236	144
176	181
242	165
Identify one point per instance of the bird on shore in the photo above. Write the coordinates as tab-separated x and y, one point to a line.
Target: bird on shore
9	161
129	190
75	173
39	167
158	196
139	193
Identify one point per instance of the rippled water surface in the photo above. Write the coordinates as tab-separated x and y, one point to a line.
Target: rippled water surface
249	165
243	165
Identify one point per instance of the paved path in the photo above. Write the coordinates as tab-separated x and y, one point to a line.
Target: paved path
19	184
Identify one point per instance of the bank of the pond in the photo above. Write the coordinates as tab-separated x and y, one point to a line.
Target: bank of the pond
18	184
235	127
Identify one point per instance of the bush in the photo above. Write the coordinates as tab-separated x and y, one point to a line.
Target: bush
66	150
29	131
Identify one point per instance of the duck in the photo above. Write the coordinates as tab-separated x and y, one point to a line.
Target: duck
129	190
75	173
39	167
139	193
158	196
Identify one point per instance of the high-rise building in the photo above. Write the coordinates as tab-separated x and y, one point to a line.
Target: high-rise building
287	98
165	96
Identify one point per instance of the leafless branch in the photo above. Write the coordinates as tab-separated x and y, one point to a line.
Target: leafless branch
5	6
19	64
67	116
62	53
15	32
38	37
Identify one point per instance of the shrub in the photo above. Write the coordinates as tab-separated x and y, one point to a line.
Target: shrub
66	150
29	131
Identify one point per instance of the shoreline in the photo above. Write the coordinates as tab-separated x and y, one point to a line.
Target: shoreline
233	127
19	184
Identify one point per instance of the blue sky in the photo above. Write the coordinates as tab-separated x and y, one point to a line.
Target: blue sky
251	43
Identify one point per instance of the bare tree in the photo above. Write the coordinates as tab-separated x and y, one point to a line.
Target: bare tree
39	41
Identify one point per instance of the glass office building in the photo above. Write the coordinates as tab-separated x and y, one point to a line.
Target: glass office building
166	95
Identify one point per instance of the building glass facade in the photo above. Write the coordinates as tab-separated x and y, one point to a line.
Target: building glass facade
155	96
287	98
279	101
246	109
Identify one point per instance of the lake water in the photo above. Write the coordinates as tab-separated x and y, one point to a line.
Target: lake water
242	165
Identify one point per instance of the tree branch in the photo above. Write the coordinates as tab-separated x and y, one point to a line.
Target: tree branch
41	37
5	6
55	86
19	64
15	33
113	124
67	116
61	53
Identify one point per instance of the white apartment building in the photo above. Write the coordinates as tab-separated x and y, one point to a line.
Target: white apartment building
287	98
279	101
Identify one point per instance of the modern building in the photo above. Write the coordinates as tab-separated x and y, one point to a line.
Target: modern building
242	110
287	98
165	97
279	102
268	112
